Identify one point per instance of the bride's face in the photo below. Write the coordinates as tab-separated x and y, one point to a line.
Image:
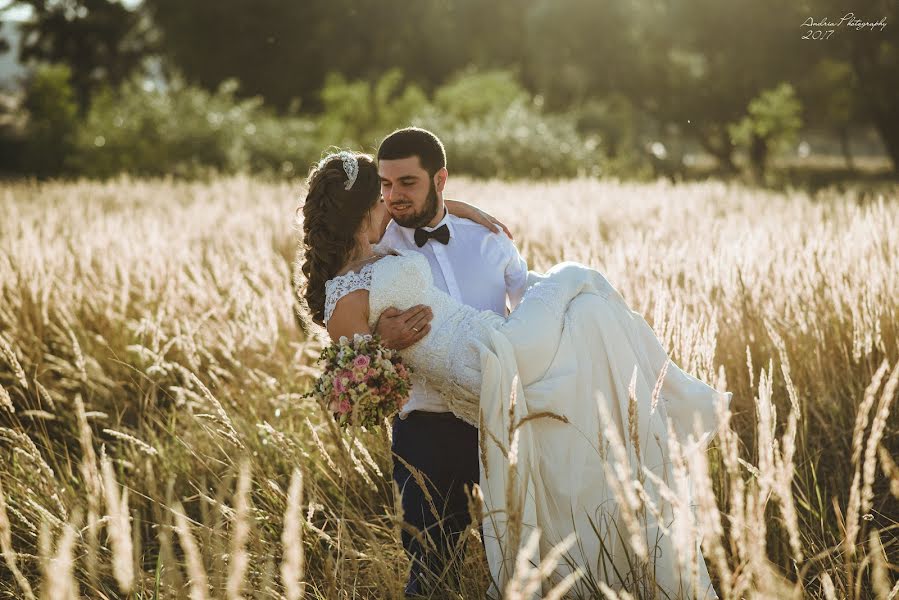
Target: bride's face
410	194
377	221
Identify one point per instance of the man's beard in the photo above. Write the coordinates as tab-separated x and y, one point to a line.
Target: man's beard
425	215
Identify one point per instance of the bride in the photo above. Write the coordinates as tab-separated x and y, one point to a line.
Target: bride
545	386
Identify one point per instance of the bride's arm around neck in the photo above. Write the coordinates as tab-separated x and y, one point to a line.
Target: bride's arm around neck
350	316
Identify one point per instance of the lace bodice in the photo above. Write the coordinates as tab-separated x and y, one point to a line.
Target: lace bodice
340	286
448	358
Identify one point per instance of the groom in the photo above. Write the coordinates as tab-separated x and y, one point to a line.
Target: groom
476	267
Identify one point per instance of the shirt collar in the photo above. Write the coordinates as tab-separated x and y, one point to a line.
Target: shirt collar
409	232
444	221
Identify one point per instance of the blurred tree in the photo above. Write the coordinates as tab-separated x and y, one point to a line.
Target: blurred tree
101	41
361	112
579	49
694	65
772	122
274	48
873	54
285	50
491	35
12	134
470	94
187	131
831	101
52	120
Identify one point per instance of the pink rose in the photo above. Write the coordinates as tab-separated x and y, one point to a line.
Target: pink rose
371	372
385	390
344	407
361	362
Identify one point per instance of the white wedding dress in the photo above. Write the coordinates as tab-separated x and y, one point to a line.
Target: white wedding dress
574	346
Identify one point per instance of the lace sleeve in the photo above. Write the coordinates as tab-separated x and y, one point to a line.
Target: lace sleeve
340	286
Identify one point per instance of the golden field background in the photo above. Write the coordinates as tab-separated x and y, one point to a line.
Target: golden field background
153	442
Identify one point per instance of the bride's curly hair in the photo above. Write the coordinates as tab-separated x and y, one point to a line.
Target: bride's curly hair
331	216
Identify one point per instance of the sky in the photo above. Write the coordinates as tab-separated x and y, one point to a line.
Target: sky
10	69
19	13
23	13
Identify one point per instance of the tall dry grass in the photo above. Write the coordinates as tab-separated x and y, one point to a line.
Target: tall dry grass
154	444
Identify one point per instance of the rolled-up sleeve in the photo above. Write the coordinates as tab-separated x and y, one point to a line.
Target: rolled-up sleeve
516	273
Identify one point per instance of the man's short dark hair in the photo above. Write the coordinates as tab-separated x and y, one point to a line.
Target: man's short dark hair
414	141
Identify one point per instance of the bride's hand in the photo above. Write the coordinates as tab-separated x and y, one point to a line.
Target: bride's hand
473	213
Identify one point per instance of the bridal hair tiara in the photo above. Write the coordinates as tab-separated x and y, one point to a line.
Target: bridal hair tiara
350	166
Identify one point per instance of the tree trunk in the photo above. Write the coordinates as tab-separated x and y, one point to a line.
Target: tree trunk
758	156
887	125
844	146
875	70
720	147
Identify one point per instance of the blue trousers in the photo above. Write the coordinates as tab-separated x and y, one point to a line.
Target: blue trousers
445	450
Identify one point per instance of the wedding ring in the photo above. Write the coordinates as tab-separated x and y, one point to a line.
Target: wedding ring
416	329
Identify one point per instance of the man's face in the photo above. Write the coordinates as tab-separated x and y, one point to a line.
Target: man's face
411	195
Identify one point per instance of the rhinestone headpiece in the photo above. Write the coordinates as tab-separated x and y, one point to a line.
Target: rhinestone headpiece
350	166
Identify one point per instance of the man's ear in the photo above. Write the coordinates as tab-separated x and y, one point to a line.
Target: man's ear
440	179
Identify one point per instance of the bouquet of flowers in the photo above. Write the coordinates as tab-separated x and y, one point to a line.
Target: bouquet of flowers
363	382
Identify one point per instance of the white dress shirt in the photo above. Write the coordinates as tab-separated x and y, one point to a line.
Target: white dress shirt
477	267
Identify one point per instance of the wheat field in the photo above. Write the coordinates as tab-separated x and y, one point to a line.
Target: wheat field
154	442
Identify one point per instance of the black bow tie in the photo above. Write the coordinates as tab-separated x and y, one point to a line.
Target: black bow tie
441	234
